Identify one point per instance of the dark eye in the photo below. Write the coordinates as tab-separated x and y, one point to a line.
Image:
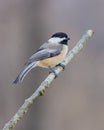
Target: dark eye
64	42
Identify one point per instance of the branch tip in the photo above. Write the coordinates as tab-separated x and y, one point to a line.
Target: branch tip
90	32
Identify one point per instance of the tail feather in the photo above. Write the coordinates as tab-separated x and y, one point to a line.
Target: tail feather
24	72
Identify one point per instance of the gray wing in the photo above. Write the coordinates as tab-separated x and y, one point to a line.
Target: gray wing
43	53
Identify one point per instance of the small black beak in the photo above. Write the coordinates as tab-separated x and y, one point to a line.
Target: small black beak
67	38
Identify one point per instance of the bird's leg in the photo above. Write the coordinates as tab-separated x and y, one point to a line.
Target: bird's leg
62	65
52	71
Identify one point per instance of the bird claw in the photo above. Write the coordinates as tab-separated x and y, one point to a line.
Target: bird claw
52	71
62	65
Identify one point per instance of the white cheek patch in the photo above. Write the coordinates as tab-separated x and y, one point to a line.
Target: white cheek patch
56	39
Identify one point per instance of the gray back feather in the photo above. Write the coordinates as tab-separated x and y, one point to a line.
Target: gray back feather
43	53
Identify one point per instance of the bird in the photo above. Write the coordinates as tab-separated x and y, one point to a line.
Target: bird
49	55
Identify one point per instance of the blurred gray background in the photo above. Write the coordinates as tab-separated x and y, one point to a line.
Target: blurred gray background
75	100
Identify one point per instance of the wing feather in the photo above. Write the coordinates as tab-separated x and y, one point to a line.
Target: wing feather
43	53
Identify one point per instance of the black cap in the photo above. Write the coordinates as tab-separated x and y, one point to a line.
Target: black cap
60	35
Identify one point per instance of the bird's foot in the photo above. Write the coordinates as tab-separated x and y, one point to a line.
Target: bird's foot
62	65
53	71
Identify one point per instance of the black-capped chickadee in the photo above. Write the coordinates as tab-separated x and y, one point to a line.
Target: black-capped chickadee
49	55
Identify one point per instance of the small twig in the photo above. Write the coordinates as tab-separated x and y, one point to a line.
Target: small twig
45	84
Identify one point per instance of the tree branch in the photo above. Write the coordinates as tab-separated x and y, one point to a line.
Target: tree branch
45	84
